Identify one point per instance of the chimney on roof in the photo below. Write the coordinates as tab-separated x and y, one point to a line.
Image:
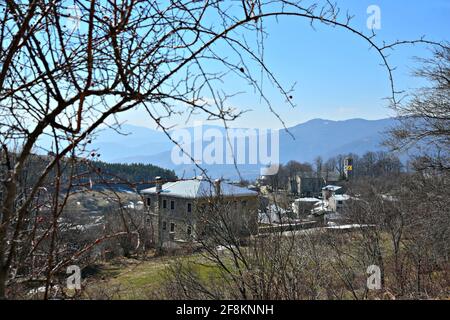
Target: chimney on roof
217	186
158	184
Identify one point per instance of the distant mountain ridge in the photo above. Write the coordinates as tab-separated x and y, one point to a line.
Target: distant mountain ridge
318	137
328	138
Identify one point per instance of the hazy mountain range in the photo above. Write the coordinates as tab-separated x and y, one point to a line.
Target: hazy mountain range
318	137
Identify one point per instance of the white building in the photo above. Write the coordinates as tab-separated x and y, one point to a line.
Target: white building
303	206
337	201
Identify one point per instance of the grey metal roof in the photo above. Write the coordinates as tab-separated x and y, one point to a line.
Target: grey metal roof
198	188
332	188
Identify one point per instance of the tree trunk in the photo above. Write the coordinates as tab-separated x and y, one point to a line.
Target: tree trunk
3	279
8	211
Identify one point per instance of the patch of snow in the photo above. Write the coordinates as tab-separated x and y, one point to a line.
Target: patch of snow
37	290
332	188
273	214
307	200
341	197
348	226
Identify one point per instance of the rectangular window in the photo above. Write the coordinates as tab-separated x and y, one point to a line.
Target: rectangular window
164	226
164	204
189	207
172	227
149	202
172	205
244	203
189	230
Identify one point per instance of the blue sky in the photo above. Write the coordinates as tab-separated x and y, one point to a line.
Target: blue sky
337	76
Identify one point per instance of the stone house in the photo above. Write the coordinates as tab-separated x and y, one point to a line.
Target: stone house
303	206
337	202
308	184
335	197
176	207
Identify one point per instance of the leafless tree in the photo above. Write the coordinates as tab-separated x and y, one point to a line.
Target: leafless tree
406	222
424	119
62	82
282	265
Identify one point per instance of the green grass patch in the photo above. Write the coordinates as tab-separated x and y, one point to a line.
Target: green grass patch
135	279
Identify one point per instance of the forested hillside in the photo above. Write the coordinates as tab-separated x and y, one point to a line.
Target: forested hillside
93	173
133	172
